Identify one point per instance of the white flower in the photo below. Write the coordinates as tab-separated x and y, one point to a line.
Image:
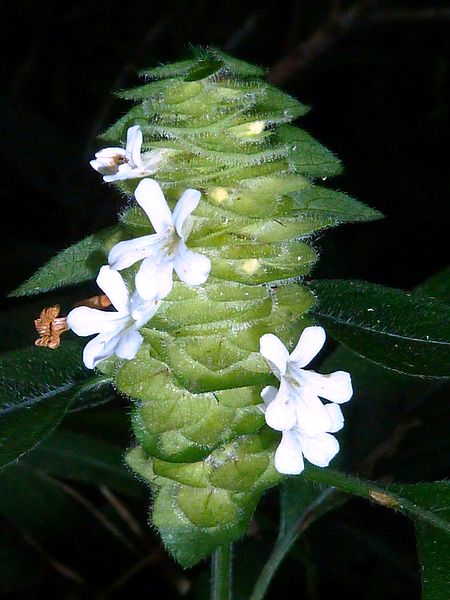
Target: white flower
164	251
295	408
295	444
116	163
117	331
297	401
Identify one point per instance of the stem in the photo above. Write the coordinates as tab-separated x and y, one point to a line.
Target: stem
285	542
221	567
347	484
371	491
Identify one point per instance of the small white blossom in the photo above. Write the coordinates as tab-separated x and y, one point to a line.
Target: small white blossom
117	163
296	409
164	251
295	444
117	331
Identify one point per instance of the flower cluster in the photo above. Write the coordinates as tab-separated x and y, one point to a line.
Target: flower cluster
160	254
295	408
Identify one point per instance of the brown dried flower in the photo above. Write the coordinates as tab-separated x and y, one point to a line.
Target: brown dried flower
101	301
50	327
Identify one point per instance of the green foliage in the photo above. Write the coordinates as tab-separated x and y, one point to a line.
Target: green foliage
433	542
398	330
302	503
81	262
199	506
196	380
37	389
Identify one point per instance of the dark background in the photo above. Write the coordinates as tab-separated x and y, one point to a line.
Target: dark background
377	76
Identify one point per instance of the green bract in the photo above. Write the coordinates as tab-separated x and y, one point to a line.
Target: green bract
196	381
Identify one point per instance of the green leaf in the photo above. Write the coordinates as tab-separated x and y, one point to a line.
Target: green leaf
37	388
419	507
81	262
378	413
85	459
437	286
424	503
398	330
433	542
332	207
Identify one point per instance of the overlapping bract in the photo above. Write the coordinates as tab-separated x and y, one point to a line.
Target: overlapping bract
197	378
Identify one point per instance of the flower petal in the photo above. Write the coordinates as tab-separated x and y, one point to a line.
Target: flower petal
154	278
151	159
101	347
269	394
192	268
288	456
143	310
124	254
336	387
87	321
320	450
134	145
310	343
187	203
101	167
129	343
108	153
151	198
275	352
312	416
113	285
124	171
336	416
280	413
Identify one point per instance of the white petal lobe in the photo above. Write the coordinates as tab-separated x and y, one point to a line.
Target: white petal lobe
281	412
113	285
309	345
86	321
129	343
124	254
154	278
288	456
275	352
150	197
187	203
321	449
192	268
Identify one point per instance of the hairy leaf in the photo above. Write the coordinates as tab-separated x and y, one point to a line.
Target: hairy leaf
37	388
76	264
404	332
433	542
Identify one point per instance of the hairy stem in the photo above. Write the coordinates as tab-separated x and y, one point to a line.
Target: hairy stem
221	571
